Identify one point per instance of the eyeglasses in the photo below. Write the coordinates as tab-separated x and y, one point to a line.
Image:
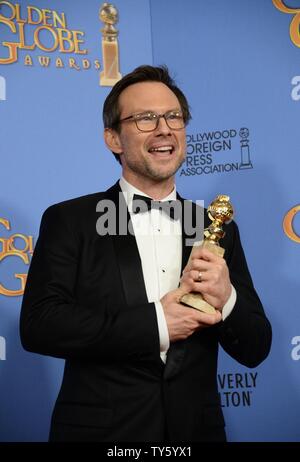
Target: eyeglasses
148	121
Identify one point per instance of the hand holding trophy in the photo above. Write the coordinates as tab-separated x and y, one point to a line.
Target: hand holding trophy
220	211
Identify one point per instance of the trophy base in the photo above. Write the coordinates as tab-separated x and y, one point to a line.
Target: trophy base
195	299
214	248
107	81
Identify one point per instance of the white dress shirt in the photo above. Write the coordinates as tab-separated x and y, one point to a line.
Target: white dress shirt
159	243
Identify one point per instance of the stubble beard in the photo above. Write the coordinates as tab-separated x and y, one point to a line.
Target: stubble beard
149	171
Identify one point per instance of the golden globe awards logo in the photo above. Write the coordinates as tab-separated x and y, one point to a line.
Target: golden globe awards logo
36	28
289	224
17	245
295	22
48	31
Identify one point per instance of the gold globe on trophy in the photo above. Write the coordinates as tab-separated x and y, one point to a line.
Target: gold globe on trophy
220	211
108	14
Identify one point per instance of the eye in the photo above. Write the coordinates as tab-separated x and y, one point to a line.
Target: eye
174	116
147	117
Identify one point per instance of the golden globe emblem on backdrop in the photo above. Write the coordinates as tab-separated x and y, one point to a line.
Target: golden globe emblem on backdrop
110	75
220	211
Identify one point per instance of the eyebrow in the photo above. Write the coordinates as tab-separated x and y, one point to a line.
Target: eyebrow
142	111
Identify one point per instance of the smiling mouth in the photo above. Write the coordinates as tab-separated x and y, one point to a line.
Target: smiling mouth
164	150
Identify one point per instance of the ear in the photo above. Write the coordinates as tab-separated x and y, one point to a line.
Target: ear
112	140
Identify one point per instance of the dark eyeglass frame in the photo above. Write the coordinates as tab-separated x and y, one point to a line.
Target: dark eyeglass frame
137	117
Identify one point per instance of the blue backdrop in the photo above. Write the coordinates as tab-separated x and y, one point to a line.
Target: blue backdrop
238	64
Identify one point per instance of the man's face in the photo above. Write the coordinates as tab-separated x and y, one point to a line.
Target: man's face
145	155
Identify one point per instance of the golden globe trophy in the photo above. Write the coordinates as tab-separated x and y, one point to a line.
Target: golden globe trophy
220	211
108	14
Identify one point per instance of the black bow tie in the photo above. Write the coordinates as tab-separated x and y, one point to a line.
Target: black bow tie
142	204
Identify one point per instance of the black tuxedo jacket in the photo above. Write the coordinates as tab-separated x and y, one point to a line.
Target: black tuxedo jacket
85	301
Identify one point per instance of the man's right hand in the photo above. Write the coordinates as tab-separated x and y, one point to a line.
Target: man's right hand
183	321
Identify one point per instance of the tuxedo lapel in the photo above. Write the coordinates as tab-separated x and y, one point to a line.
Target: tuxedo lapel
127	254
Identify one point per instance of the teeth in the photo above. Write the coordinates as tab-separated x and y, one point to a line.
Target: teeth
162	149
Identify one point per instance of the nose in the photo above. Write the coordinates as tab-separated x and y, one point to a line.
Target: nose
162	127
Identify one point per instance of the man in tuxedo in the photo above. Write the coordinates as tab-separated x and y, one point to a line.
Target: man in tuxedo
139	365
